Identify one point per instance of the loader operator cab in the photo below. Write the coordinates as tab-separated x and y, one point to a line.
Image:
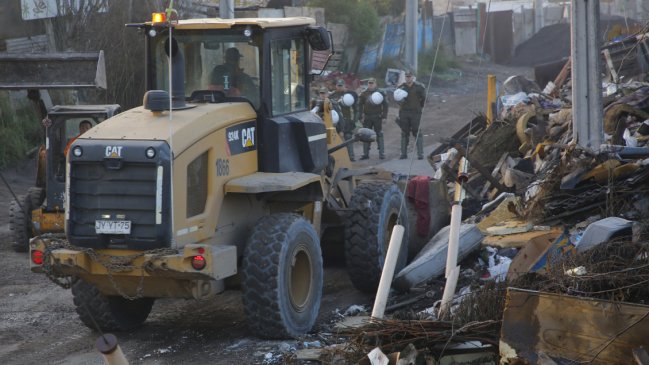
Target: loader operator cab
65	124
260	63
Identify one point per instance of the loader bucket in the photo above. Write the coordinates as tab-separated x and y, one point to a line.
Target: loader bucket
52	70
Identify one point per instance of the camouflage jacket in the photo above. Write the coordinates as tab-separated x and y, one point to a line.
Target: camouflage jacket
416	97
350	113
366	107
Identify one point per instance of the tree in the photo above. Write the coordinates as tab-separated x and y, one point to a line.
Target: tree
96	25
360	16
388	7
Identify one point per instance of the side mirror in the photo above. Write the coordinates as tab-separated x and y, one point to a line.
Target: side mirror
365	135
319	38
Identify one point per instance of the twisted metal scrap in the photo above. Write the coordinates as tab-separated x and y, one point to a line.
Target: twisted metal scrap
393	335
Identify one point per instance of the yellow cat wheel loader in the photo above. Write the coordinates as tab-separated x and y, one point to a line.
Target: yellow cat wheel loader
227	176
41	209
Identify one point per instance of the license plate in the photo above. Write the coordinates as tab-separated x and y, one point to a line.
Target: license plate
112	227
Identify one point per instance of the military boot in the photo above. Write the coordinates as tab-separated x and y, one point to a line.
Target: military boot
420	148
366	151
379	142
404	146
350	147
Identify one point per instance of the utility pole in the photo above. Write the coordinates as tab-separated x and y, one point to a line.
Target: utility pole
587	117
226	9
538	15
411	34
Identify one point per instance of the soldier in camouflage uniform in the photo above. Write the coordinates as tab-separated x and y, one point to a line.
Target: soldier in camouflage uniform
373	116
318	102
349	117
410	114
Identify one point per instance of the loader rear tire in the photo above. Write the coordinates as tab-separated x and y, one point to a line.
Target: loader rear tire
282	276
110	313
19	223
374	211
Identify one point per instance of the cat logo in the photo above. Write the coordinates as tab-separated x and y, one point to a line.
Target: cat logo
114	151
240	138
248	137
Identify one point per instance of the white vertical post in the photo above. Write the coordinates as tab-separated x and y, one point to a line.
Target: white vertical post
388	271
452	270
107	345
449	292
453	239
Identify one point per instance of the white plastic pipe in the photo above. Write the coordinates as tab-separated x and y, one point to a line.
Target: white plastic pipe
388	271
449	291
110	350
453	239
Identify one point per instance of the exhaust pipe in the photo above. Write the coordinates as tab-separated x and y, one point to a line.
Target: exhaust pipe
177	74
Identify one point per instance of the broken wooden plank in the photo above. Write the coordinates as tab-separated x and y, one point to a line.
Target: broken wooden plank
475	126
517	240
561	78
512	226
449	174
610	66
506	210
476	165
494	173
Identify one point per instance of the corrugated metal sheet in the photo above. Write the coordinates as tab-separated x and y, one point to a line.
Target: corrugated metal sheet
32	44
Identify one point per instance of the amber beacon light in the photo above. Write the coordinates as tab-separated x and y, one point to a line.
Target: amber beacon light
158	18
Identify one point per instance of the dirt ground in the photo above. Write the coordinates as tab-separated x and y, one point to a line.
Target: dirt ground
39	325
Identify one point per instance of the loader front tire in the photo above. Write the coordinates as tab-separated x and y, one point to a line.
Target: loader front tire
374	211
110	313
282	276
20	213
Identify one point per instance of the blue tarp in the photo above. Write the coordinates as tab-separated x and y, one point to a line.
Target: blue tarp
392	44
395	33
368	59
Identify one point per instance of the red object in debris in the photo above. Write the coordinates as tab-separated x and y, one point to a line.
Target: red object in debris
417	193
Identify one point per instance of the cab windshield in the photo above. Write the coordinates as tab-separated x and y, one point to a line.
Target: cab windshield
222	60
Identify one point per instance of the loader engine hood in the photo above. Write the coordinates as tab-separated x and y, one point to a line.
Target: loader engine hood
184	129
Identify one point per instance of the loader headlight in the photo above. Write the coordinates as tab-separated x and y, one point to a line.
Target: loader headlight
150	152
77	151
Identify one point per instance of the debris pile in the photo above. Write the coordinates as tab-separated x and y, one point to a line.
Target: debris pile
546	223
